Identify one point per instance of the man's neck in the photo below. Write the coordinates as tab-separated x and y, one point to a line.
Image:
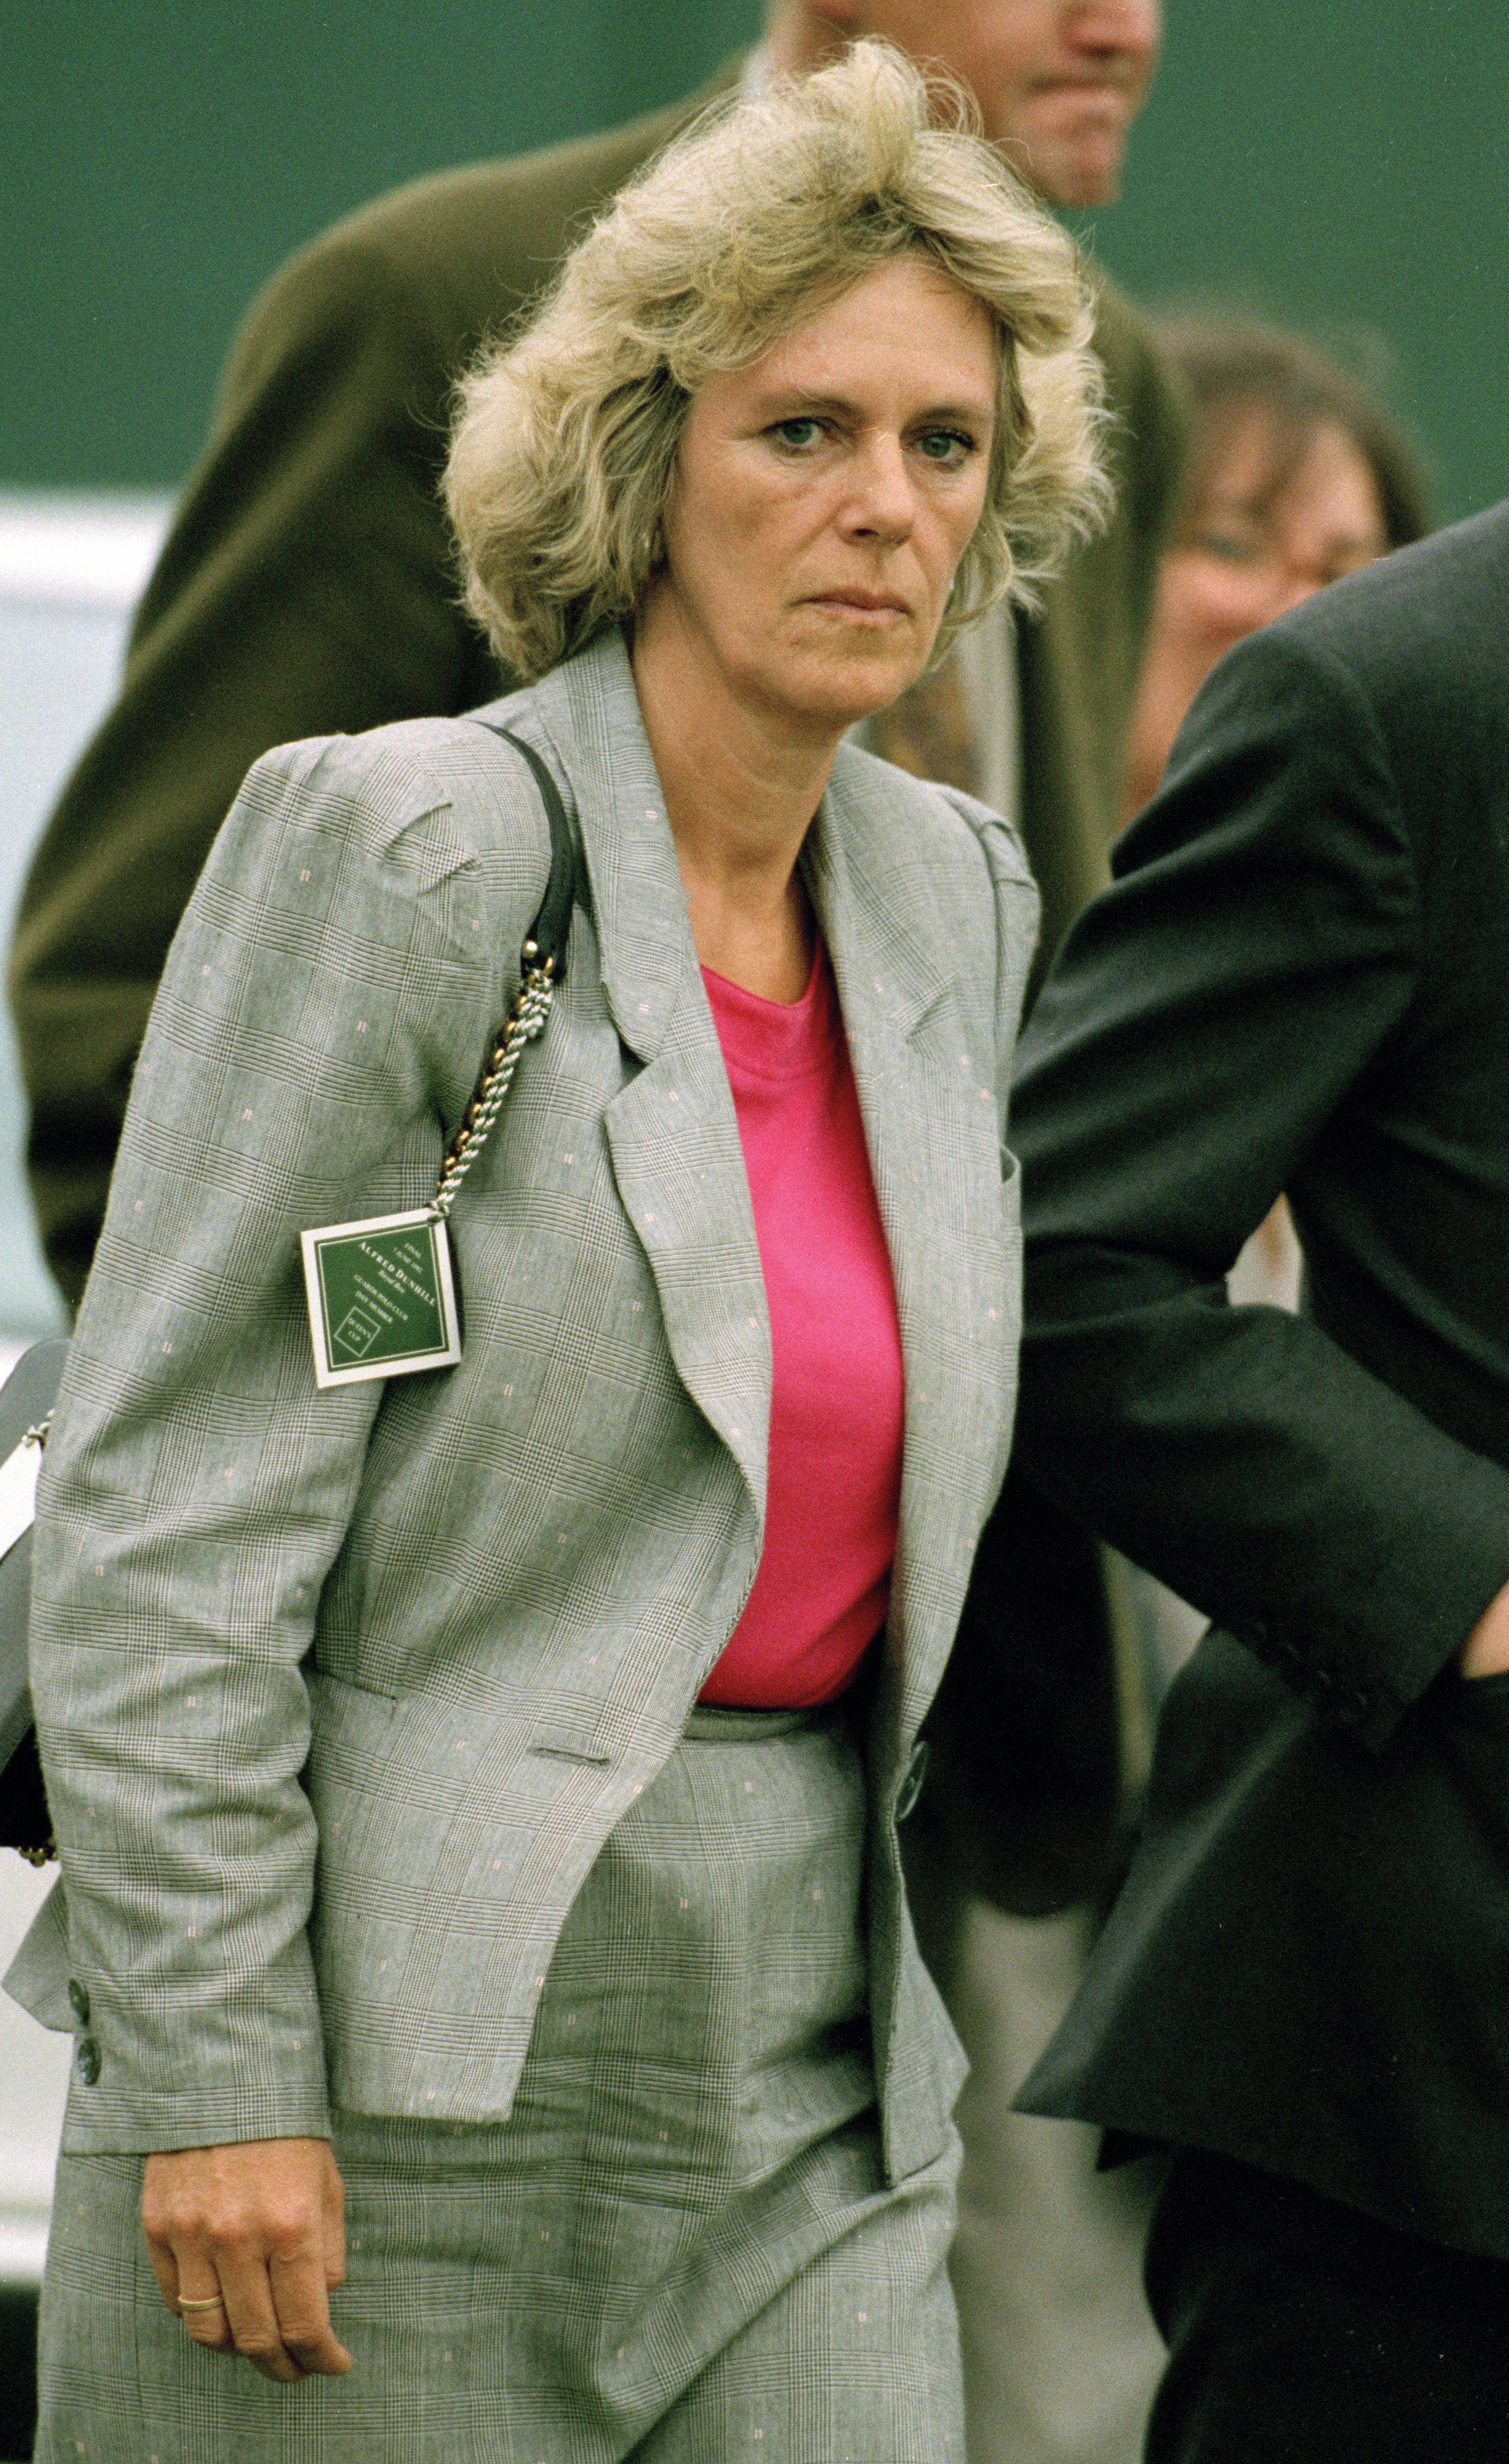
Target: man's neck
797	40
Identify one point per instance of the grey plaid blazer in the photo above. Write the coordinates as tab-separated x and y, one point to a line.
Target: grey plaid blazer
340	1693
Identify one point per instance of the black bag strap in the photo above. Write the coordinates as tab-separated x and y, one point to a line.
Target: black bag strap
541	971
551	930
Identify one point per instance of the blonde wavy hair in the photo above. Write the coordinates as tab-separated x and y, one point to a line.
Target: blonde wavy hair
563	451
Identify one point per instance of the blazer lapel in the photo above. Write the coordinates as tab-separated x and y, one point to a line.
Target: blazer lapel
930	1119
672	1132
932	1128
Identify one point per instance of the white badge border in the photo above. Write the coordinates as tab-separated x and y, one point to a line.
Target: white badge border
445	1282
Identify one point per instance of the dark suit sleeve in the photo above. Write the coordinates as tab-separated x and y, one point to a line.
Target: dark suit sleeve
1198	1046
305	590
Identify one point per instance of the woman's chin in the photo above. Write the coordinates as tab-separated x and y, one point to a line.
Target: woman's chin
842	692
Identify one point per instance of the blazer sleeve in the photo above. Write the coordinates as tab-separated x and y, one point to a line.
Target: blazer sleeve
306	588
1197	1043
324	1009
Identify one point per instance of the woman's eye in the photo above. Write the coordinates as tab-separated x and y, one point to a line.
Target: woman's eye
1232	547
947	446
796	435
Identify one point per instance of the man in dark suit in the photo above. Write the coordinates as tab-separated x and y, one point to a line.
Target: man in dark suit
1300	983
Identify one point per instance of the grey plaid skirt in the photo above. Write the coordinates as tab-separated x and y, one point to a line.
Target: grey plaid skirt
680	2247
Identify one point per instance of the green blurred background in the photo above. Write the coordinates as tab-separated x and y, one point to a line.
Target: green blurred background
1339	162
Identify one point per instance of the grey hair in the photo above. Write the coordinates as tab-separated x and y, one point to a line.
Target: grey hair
564	447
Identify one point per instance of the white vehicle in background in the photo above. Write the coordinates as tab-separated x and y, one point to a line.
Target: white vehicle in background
71	567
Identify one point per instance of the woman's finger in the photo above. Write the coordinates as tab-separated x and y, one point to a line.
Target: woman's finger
278	2315
302	2301
191	2293
165	2267
333	2224
202	2309
252	2317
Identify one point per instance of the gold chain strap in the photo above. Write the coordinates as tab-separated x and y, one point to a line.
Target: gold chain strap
525	1020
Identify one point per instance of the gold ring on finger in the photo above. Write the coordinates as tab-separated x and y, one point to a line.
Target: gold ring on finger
216	2301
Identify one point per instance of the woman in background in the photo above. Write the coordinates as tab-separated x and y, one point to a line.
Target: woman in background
1296	477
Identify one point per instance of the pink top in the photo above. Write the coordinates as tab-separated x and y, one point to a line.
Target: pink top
838	1402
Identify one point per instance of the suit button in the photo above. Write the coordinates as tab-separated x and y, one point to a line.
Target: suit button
87	2057
79	2001
911	1788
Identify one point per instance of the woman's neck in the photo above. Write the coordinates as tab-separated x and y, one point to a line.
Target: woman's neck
741	786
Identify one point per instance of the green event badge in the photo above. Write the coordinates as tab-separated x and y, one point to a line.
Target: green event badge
381	1292
381	1297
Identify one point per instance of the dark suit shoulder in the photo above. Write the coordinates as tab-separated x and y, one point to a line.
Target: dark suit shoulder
1421	637
1434	610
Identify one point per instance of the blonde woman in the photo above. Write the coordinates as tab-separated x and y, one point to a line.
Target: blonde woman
477	1790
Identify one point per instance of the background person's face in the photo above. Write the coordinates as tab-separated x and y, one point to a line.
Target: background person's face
822	500
1059	82
1245	552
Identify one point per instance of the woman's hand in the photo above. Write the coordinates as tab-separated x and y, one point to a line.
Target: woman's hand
255	2230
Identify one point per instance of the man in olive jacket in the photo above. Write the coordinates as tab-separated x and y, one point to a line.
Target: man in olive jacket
307	587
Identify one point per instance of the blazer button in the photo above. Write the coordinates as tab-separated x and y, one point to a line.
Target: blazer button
911	1788
87	2057
79	2001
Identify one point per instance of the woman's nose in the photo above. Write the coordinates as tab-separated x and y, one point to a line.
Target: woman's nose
881	502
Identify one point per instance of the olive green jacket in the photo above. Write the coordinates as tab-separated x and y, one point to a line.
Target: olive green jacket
308	588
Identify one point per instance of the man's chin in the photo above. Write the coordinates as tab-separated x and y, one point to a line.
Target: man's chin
1072	168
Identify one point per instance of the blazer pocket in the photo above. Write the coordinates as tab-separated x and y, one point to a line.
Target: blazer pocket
569	1726
567	1746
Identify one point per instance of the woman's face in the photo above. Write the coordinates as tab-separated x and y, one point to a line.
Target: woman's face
1246	552
822	500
